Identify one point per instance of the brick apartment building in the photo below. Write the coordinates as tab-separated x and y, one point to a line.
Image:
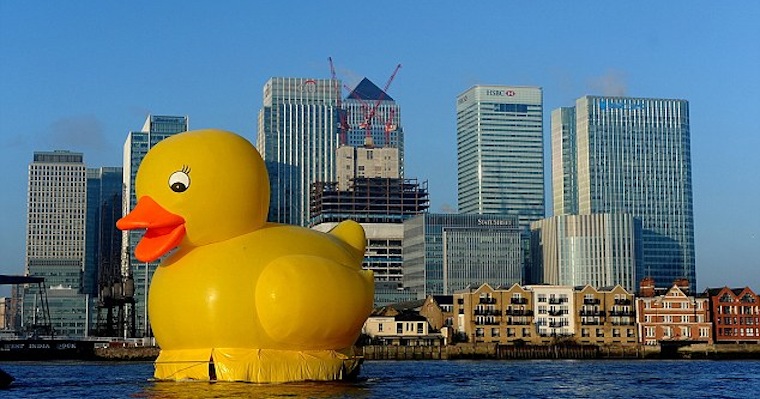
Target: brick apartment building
735	313
672	315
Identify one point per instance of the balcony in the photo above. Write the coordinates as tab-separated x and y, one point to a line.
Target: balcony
556	312
519	301
557	324
623	302
591	322
618	313
488	301
594	313
518	322
518	312
557	301
487	312
591	301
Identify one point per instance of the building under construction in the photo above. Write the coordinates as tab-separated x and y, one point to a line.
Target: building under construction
381	205
369	200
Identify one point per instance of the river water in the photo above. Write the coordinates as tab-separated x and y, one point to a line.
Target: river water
460	379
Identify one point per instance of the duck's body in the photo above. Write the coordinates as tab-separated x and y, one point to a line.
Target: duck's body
293	298
263	302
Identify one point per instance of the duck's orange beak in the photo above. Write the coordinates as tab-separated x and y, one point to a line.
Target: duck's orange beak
164	230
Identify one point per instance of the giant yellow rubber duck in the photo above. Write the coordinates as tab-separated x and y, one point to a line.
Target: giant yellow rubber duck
239	298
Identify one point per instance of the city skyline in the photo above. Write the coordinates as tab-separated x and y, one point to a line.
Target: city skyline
77	80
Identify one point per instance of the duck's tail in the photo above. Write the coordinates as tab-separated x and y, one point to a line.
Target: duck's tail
352	233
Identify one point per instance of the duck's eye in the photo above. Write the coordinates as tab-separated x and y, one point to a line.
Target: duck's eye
179	181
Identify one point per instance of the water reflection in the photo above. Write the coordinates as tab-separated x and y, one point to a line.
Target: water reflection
200	390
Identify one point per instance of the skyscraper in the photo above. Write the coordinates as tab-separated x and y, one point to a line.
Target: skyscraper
633	155
564	163
55	240
374	119
500	152
155	129
297	137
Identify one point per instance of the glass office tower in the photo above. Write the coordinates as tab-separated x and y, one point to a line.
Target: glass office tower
297	137
446	252
634	156
155	129
500	152
564	173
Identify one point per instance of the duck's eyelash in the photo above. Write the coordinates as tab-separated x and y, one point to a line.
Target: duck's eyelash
185	169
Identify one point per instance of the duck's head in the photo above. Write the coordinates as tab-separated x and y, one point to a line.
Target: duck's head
197	188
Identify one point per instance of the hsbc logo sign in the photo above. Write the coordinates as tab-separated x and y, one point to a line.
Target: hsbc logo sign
500	93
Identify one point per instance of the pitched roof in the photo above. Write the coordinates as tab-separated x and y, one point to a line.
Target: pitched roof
368	91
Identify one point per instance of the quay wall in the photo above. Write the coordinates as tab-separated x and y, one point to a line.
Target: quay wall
510	352
502	352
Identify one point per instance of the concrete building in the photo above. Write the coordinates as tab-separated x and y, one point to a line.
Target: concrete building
447	252
633	156
735	314
500	152
600	250
672	315
554	309
297	138
55	241
366	161
136	146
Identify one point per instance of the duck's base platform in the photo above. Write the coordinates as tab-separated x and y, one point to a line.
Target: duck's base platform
256	365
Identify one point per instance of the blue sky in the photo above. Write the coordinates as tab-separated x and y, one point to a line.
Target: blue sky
79	75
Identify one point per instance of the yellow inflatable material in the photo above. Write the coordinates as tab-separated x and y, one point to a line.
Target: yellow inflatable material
241	299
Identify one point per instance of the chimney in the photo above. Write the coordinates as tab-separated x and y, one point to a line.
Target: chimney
647	288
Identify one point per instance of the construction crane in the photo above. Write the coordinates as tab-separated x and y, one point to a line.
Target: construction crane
343	126
390	126
370	113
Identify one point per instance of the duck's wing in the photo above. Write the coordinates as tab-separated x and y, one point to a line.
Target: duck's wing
352	233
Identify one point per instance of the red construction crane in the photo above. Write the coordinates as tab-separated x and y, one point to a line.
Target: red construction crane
343	126
368	115
390	126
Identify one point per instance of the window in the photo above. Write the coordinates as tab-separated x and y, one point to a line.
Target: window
420	328
380	327
399	328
